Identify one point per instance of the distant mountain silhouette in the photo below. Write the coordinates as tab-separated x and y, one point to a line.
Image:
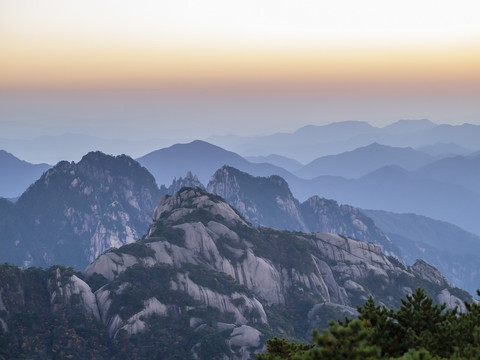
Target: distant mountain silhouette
394	189
277	160
361	161
202	159
312	141
308	142
408	126
444	149
461	170
454	251
74	146
17	175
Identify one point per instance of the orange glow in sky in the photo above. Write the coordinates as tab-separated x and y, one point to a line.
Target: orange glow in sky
379	69
348	46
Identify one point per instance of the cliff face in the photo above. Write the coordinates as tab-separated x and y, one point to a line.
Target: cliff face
204	283
269	202
75	212
262	201
258	281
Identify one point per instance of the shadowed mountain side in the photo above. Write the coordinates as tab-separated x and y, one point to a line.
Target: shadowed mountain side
17	175
76	211
363	160
394	189
440	234
452	250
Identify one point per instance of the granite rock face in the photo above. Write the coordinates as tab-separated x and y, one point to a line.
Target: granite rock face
195	233
204	275
269	202
76	211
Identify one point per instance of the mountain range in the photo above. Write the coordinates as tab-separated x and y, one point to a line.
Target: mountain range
202	159
201	284
312	141
269	202
93	206
363	160
425	190
389	188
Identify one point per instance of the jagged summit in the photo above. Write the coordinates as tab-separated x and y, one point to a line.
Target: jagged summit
202	275
76	211
194	203
189	180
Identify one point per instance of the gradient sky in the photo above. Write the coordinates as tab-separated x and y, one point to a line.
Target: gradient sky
217	66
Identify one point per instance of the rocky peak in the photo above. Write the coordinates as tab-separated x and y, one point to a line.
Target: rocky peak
190	180
191	202
429	273
262	201
203	273
76	211
324	215
269	202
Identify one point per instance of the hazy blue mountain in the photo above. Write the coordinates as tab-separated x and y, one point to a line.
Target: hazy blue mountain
465	135
394	189
361	161
444	149
308	142
454	251
203	159
389	188
461	170
74	146
202	284
17	175
277	160
405	127
436	233
76	211
312	141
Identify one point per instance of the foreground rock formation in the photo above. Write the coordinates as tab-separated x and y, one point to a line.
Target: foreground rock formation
204	283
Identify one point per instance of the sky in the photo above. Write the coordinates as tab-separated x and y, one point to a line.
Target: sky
184	68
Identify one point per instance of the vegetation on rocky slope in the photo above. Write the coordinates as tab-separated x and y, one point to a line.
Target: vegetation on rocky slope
418	329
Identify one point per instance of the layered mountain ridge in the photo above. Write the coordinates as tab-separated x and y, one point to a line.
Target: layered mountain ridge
204	283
